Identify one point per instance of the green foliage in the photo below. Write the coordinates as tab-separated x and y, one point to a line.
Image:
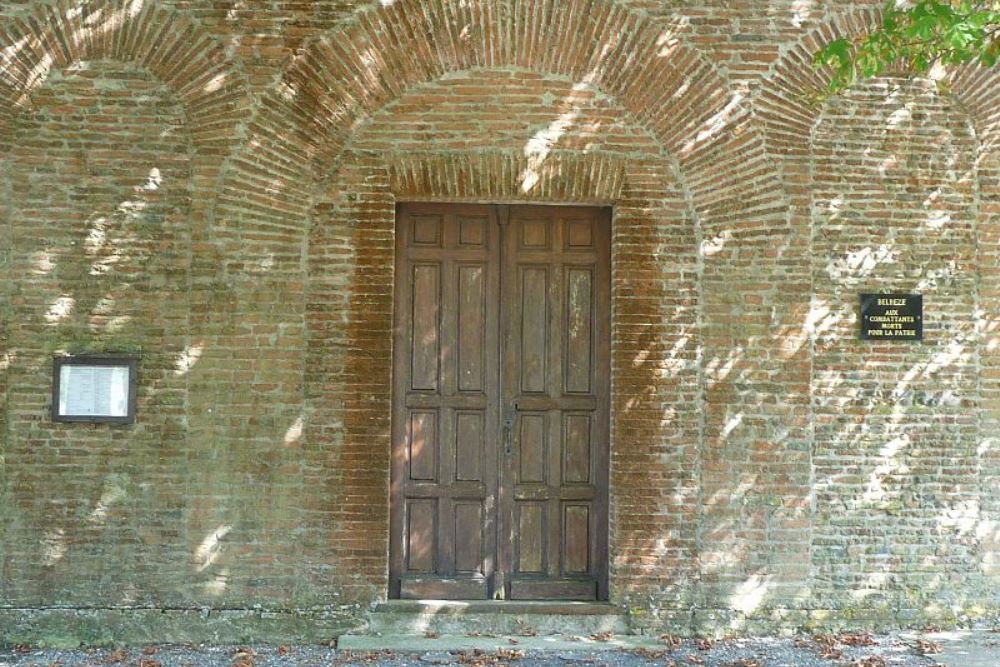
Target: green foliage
917	36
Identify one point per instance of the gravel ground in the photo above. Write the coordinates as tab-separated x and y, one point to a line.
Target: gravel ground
844	651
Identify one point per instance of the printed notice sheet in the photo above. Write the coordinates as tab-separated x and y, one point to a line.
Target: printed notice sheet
98	391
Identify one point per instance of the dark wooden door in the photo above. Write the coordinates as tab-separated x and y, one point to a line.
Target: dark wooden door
555	380
445	462
501	402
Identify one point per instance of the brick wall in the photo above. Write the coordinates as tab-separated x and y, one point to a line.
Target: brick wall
100	246
212	186
897	437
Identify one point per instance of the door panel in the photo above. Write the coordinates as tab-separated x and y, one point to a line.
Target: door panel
500	404
556	360
444	481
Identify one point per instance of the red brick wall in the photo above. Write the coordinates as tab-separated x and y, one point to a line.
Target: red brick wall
101	241
766	465
896	438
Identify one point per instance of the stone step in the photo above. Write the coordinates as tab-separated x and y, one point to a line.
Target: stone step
437	650
500	617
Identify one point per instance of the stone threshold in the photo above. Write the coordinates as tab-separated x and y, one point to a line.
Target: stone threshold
475	619
443	644
498	607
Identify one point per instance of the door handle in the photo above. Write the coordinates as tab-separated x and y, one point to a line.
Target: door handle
508	431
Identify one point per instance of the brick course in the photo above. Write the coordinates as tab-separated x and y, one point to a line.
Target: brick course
213	185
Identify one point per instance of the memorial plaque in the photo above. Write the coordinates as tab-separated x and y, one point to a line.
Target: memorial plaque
94	389
892	317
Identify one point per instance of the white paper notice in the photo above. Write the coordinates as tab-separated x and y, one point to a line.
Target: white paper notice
93	391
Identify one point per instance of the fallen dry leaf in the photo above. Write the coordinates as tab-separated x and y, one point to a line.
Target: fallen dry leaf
828	647
926	647
480	658
857	639
705	644
375	656
525	630
121	655
149	662
151	650
602	636
649	653
870	661
510	654
243	657
671	641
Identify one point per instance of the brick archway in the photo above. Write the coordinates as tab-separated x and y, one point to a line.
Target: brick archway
299	135
342	77
180	96
789	105
171	46
357	215
792	111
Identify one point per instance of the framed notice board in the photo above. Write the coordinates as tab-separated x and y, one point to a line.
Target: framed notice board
892	317
94	389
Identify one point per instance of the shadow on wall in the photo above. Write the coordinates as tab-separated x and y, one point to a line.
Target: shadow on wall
898	450
884	436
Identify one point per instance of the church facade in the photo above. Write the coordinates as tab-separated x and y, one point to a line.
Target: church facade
491	300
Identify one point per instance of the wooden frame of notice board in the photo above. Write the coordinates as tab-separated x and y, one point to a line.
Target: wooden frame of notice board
102	390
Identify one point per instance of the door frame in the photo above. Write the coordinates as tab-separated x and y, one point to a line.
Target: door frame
604	299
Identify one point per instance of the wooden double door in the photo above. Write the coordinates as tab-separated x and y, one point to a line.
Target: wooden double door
501	402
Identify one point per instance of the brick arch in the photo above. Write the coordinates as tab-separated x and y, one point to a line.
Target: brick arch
351	72
171	46
789	102
348	373
302	131
211	92
566	176
340	78
790	109
789	105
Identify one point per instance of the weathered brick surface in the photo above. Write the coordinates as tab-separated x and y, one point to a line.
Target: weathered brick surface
895	439
100	241
212	185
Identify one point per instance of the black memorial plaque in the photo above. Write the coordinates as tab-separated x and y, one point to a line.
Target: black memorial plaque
892	317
